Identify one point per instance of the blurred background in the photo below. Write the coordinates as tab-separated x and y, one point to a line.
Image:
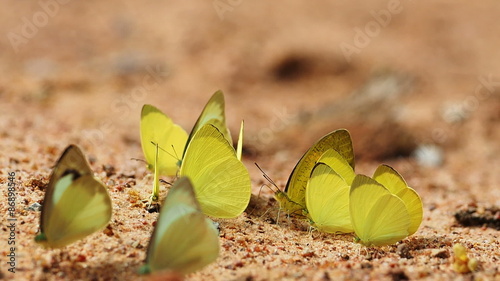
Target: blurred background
417	84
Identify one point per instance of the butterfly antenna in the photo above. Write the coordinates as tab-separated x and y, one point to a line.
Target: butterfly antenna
276	191
268	179
161	148
165	182
175	152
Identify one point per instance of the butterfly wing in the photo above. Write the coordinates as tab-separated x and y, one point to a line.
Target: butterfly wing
76	204
82	209
185	253
393	181
158	128
239	148
213	113
73	159
221	181
327	200
184	240
378	217
339	140
333	159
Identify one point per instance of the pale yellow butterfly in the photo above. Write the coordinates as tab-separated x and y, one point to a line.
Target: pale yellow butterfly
383	213
76	203
158	128
184	240
394	182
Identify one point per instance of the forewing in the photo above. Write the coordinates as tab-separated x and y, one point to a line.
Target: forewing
333	159
71	160
83	208
183	240
213	113
391	179
327	200
189	243
221	181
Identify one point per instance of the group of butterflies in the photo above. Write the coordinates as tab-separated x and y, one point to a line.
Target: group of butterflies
323	186
212	181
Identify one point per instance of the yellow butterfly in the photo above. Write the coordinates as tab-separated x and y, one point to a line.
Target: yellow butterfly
158	128
293	198
221	181
76	203
385	210
184	240
395	183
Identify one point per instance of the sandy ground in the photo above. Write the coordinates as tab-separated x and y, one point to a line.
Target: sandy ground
401	76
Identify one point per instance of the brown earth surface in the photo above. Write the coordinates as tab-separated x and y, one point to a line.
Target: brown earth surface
421	77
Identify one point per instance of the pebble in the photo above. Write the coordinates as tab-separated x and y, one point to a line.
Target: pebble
428	155
36	207
440	253
404	251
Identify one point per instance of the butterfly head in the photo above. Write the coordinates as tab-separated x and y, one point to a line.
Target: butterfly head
145	269
41	239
